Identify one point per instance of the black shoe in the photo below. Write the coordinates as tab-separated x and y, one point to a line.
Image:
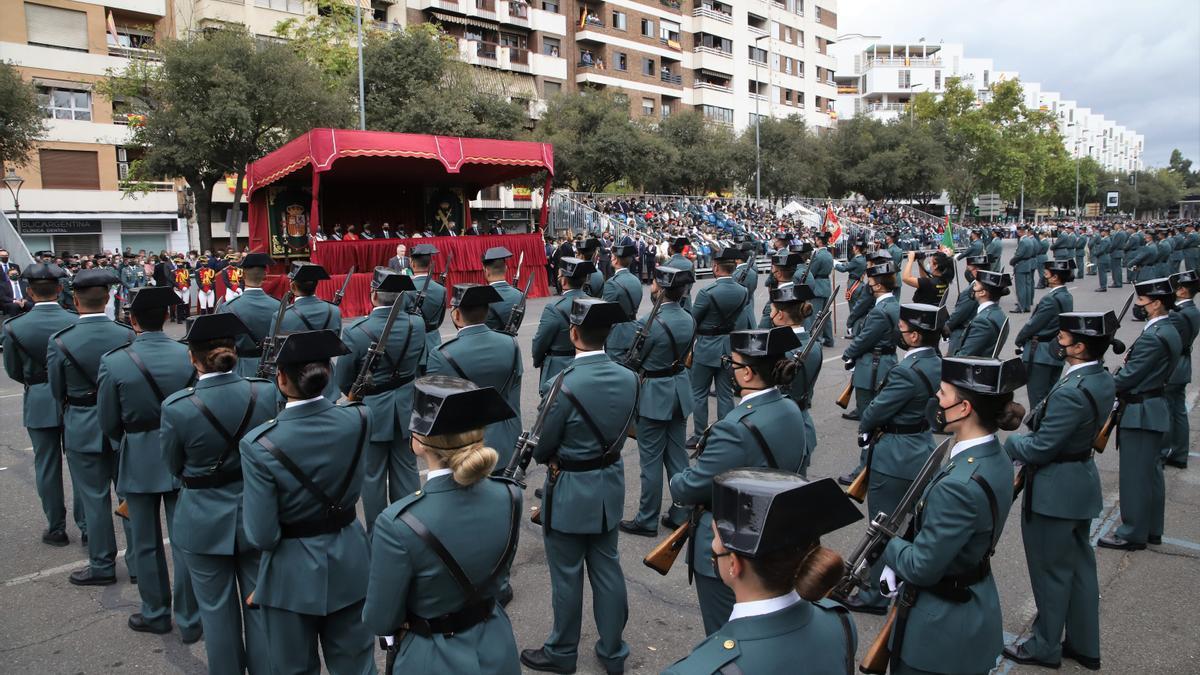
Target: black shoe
667	524
83	539
191	638
852	416
1118	543
505	597
1178	464
133	579
537	492
847	479
536	659
1155	539
828	343
631	527
56	538
1017	654
1089	662
84	577
138	623
1101	290
853	604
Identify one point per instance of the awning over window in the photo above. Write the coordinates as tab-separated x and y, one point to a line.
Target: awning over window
505	84
464	21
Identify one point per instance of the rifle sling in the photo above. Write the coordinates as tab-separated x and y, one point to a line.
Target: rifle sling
762	442
332	505
141	366
70	357
231	440
395	365
21	348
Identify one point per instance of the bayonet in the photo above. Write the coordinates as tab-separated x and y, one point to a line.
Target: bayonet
341	293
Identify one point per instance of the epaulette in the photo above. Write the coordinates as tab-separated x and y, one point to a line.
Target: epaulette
124	325
259	379
347	403
506	480
401	505
712	655
358	320
261	429
114	350
448	342
181	394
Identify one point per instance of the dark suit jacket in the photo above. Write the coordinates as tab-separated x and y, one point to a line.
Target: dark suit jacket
7	304
398	264
5	267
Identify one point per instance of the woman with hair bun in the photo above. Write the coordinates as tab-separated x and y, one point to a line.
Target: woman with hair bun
979	337
765	546
764	430
303	477
200	430
951	621
440	557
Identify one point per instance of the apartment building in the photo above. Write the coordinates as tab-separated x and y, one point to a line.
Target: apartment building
880	78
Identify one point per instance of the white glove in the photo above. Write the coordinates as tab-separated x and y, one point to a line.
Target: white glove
888	584
390	640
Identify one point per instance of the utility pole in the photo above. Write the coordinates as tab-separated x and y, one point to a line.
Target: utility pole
362	103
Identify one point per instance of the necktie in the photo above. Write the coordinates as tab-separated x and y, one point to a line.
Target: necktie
16	286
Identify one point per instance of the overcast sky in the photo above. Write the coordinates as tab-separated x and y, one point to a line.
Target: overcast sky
1137	63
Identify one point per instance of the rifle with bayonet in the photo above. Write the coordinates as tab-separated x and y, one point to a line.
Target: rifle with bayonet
341	293
1000	339
418	303
270	344
527	443
517	314
517	274
634	357
363	382
883	528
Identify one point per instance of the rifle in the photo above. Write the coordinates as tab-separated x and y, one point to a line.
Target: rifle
528	440
857	490
517	274
363	381
817	324
446	270
517	314
1100	442
1000	339
418	304
662	557
270	344
341	293
634	357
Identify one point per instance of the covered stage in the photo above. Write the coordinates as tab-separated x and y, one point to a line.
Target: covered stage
415	183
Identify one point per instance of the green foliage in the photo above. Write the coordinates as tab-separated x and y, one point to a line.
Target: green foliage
216	102
697	156
328	39
795	161
1182	168
900	160
21	122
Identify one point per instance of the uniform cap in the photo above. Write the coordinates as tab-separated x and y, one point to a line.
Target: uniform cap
589	244
214	327
446	405
474	295
924	317
786	259
575	268
387	280
596	313
1089	324
984	376
43	272
496	253
626	251
1067	265
672	277
256	260
1185	277
994	279
302	271
792	293
783	236
882	269
729	253
96	277
151	297
764	342
1154	287
310	346
802	247
758	511
423	250
978	260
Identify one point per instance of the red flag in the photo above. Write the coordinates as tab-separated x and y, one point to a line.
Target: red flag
831	217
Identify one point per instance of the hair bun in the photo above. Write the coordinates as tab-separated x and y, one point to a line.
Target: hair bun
1009	418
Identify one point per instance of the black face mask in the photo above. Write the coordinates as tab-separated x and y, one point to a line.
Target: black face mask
1139	312
939	417
969	277
3	258
1058	351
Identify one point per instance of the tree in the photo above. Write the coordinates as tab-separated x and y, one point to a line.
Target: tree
1182	168
21	121
595	141
697	156
218	101
329	39
794	160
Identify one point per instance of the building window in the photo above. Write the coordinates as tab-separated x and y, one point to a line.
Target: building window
937	79
69	170
293	6
800	99
622	61
714	42
666	108
548	6
648	67
985	78
618	20
647	28
65	104
799	69
551	88
717	114
755	118
550	46
668	31
55	27
906	79
817	13
647	106
758	55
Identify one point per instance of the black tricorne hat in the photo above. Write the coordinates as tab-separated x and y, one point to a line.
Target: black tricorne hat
152	297
978	260
423	250
214	327
792	293
886	268
496	253
447	405
1184	278
730	254
42	272
256	260
95	277
388	280
589	244
474	295
310	346
305	271
575	268
1154	287
672	277
765	342
1066	265
924	317
624	251
596	313
787	259
984	376
758	511
1089	324
994	279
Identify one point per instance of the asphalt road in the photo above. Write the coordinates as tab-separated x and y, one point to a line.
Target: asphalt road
49	626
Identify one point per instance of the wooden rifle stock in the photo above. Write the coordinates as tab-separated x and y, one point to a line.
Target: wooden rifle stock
878	655
858	489
1018	482
843	401
1113	421
662	557
122	510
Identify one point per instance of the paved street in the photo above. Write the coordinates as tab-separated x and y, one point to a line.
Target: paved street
49	626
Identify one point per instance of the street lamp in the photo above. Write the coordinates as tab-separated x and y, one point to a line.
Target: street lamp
757	122
14	182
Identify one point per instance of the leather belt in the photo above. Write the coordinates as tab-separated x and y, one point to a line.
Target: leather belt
140	427
40	378
1142	396
581	465
212	480
88	401
454	622
666	372
336	521
955	587
915	428
393	383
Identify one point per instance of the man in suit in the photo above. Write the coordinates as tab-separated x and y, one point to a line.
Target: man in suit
256	309
584	492
5	265
400	262
134	380
14	293
72	367
552	349
25	340
495	271
718	311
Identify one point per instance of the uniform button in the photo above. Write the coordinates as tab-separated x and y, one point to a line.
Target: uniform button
270	421
749	406
970	460
417	492
729	644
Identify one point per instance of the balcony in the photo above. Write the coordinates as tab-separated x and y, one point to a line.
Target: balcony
702	12
712	86
515	12
133	53
901	62
669	78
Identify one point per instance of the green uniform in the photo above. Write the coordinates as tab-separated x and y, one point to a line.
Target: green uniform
489	359
208	516
1186	319
719	309
582	505
1040	261
1080	245
1148	365
1023	270
801	392
311	313
433	309
1101	249
312	580
1191	252
594	286
72	366
681	262
854	269
624	289
390	468
759	432
804	638
898	260
1116	255
995	249
1062	496
497	315
873	352
974	248
818	277
956	531
134	381
25	340
964	310
663	408
898	412
552	348
1143	262
981	333
1063	246
746	275
257	310
477	526
1037	339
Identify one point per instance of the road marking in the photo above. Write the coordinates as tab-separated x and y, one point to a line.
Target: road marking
49	572
1182	543
11	395
3	468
